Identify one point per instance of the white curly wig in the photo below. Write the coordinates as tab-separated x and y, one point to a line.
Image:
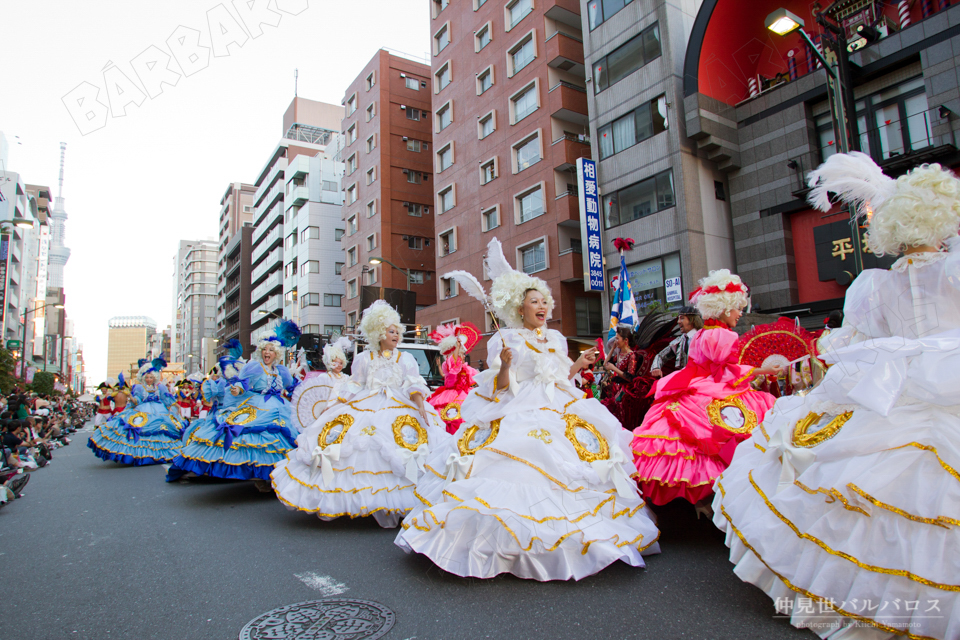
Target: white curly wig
719	292
510	287
377	318
336	350
924	210
268	343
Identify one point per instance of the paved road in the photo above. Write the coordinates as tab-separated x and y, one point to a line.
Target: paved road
96	550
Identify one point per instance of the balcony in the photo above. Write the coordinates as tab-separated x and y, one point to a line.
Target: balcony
299	168
566	150
232	266
565	52
568	102
275	195
269	241
571	265
298	197
231	311
267	222
232	288
567	11
230	331
568	210
280	165
273	259
274	281
273	303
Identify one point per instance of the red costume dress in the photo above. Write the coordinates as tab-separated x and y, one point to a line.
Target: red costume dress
700	414
457	374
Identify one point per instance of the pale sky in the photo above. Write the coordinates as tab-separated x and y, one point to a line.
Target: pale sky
146	180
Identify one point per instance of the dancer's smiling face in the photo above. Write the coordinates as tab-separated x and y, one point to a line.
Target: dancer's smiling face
391	339
731	317
534	309
150	379
337	365
269	355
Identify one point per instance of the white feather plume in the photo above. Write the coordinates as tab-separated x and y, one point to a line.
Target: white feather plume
497	264
469	283
854	177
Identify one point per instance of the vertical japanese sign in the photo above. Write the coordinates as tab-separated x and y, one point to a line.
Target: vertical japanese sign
43	257
4	253
590	225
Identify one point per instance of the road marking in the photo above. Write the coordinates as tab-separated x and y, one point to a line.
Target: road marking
326	585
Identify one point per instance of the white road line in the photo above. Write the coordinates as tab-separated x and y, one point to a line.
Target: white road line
326	585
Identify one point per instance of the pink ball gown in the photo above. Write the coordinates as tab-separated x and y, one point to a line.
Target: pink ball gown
457	381
699	415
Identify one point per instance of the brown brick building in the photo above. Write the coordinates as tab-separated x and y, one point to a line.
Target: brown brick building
510	121
388	181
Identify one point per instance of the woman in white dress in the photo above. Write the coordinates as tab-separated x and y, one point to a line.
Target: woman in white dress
321	389
843	506
364	454
537	480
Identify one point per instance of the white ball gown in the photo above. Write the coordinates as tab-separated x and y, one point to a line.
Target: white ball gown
845	505
364	454
312	396
537	480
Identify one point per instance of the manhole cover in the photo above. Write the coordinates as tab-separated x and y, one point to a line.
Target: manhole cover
322	620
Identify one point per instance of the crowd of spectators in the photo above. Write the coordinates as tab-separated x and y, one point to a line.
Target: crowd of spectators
32	427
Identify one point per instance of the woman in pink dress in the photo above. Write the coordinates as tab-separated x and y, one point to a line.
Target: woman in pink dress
455	342
701	412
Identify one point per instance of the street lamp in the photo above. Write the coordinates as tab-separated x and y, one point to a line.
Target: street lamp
275	314
405	272
23	346
20	223
839	92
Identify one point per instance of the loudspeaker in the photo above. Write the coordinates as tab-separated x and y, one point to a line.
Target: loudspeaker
405	302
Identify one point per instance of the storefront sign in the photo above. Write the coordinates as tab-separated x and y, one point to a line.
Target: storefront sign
4	259
674	290
834	248
590	225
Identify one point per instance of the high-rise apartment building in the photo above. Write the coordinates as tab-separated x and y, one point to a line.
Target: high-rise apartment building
19	290
388	209
510	122
293	223
194	303
234	262
127	342
655	185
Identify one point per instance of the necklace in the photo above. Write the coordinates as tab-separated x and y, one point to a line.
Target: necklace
386	353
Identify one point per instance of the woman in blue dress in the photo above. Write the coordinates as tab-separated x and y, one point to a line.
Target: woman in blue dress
245	437
146	431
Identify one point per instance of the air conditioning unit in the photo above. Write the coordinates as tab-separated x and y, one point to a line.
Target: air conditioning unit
423	85
405	138
406	204
405	171
403	107
403	75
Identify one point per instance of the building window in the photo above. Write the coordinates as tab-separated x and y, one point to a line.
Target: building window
599	11
331	299
483	37
524	103
639	200
309	300
371	208
414	242
352	288
371	143
530	204
478	3
352	134
413	114
337	234
310	266
521	54
445	157
413	145
441	39
414	177
444	116
371	111
443	77
448	288
484	80
291	269
526	153
447	199
718	191
490	218
448	242
352	319
646	121
352	225
371	242
338	268
438	6
589	316
417	277
416	210
351	164
517	10
352	256
371	80
627	58
488	171
351	105
412	83
487	125
370	277
291	241
330	329
371	175
352	194
648	280
310	233
533	257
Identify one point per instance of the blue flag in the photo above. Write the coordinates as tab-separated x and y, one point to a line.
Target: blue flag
624	309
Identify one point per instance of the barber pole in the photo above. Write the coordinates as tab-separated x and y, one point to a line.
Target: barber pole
792	64
903	9
752	85
926	8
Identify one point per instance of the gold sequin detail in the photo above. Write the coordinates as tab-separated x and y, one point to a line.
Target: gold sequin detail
463	444
344	419
408	421
802	437
542	435
715	408
576	422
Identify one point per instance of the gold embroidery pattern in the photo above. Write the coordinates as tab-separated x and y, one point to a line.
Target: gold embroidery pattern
345	420
574	423
802	437
243	415
761	447
138	419
408	421
715	408
464	443
446	413
541	434
939	521
846	556
932	450
833	495
368	430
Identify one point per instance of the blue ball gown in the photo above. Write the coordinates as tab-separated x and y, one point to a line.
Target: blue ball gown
145	432
246	436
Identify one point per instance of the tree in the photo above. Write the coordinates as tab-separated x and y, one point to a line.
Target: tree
7	367
43	382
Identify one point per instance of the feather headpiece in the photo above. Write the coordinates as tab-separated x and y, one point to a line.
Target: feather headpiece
854	177
336	350
233	348
121	381
287	332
